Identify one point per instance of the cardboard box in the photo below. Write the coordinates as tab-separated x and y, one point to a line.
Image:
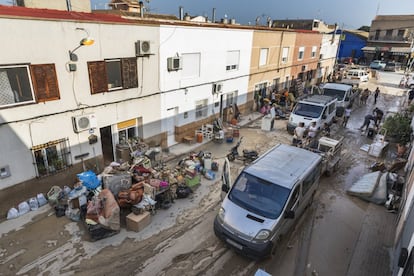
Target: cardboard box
77	202
138	222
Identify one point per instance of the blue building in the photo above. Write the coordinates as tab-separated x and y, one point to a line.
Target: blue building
351	44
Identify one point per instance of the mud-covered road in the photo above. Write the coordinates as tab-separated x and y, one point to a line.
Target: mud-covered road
180	240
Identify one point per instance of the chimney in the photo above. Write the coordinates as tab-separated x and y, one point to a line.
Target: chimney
141	9
269	22
187	17
213	19
181	13
333	34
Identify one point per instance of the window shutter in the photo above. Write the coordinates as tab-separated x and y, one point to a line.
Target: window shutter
129	72
45	82
97	76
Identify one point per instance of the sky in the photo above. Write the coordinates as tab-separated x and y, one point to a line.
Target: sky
349	14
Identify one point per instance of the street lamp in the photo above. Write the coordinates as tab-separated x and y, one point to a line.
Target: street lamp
87	41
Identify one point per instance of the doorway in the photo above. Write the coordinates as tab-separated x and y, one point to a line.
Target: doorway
171	122
107	144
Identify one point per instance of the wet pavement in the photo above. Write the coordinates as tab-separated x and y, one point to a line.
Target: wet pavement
339	235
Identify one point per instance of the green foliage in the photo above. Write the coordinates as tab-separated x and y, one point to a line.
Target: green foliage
365	28
398	126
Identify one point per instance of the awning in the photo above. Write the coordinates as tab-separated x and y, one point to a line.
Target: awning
403	50
368	49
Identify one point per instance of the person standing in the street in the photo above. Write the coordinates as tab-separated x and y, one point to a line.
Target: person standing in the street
298	134
378	113
347	114
376	94
410	96
312	132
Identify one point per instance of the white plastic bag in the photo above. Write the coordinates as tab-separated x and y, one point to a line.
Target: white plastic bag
34	205
41	199
23	208
12	213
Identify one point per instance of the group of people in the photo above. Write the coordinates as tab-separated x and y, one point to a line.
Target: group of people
365	94
375	117
274	110
307	135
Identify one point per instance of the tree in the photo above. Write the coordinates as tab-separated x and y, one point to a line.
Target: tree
364	28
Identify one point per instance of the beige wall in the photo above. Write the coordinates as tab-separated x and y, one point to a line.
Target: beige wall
274	41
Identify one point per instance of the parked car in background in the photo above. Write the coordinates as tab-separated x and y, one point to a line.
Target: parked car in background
392	66
355	76
377	64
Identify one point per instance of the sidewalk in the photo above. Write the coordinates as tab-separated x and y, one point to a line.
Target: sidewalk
182	148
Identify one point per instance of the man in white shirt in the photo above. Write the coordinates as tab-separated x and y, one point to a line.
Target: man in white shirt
298	134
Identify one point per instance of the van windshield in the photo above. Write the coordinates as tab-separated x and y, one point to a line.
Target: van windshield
308	110
339	94
259	196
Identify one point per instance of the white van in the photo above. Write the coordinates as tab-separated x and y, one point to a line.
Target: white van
343	92
355	76
267	198
314	108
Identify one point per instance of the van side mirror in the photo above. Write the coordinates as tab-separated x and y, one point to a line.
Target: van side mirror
224	188
346	99
290	214
324	116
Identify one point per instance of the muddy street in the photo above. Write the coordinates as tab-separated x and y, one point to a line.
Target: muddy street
328	240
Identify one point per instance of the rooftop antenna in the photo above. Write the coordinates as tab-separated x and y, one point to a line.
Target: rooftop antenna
378	7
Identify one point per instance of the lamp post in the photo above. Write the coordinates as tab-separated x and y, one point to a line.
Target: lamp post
87	41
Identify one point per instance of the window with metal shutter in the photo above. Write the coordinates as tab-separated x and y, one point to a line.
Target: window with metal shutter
45	82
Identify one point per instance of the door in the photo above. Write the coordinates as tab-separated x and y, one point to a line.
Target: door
290	213
107	144
226	181
171	123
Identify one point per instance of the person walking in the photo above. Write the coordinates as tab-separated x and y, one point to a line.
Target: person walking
376	94
347	114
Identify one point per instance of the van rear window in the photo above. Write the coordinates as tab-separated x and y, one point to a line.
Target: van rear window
259	196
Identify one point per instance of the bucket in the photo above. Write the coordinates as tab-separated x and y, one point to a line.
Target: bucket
207	163
199	137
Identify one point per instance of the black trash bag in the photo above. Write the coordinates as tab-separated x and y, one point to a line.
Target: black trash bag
183	191
60	210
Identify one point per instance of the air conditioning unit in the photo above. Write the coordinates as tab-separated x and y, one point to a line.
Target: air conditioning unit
143	47
217	87
84	122
174	63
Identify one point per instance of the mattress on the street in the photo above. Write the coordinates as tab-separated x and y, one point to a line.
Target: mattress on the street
366	185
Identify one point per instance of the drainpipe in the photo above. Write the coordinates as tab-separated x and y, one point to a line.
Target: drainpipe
68	5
